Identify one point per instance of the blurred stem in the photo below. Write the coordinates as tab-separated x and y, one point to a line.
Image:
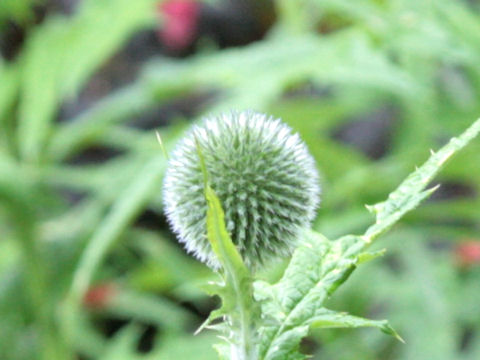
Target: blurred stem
35	278
51	346
130	201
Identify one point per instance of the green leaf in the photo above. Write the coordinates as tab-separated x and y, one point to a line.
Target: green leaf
332	319
8	89
129	304
122	212
122	346
92	123
220	239
236	292
353	57
17	10
411	191
60	56
318	266
129	203
370	255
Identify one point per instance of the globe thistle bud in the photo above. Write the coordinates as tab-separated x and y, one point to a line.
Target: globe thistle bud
263	175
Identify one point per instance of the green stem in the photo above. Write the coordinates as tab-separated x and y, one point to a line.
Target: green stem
246	349
35	278
236	274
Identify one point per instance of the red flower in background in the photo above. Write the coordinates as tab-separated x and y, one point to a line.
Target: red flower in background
99	295
180	22
468	253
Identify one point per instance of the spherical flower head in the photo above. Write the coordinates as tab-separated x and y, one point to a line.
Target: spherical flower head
262	173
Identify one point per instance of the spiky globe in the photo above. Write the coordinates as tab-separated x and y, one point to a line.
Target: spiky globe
263	175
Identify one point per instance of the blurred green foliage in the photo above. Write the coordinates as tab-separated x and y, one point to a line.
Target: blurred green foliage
402	74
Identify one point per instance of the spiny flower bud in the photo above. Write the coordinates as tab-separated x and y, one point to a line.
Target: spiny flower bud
263	175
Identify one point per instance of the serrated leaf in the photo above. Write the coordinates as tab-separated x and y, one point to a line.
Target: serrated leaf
332	319
236	289
291	288
318	267
410	192
220	240
370	255
285	346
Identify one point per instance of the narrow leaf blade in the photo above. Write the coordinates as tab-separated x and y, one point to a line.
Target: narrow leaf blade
332	319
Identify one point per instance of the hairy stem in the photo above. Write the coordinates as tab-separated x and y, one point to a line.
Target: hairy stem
245	350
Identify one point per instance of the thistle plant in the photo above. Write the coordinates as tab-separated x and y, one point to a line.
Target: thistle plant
241	188
263	175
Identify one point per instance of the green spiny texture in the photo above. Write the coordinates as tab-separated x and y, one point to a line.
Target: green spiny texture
263	175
